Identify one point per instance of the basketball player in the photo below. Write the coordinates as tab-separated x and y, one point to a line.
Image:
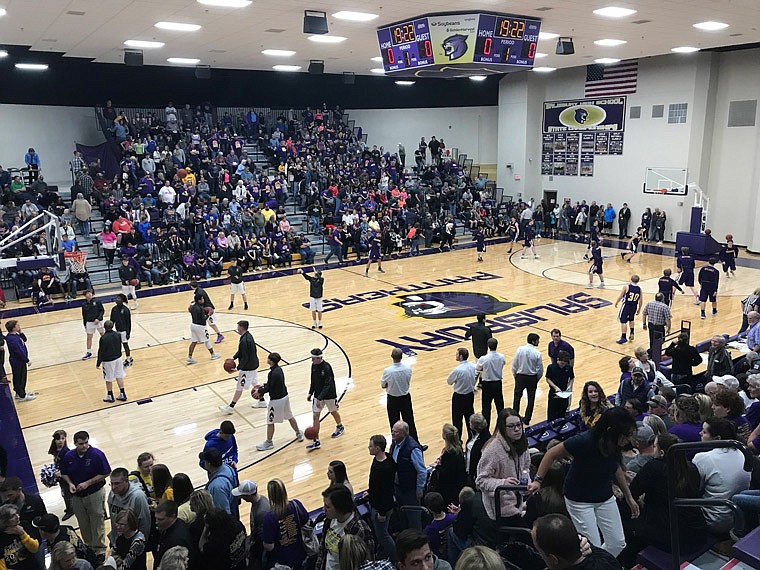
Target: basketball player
513	231
708	278
630	295
279	403
594	237
207	303
127	273
122	320
374	253
596	266
480	239
666	285
529	235
198	331
633	245
728	254
316	291
236	284
322	394
685	264
109	355
247	365
92	317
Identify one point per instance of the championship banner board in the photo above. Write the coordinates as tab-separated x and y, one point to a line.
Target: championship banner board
577	130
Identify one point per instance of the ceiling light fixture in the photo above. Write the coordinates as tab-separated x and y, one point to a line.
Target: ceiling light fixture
477	78
32	66
183	60
286	67
278	52
614	12
177	26
144	44
323	39
226	3
376	59
3	12
539	55
405	83
685	49
710	26
354	16
544	69
3	53
378	70
610	43
605	60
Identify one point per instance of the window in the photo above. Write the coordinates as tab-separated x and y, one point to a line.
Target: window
677	113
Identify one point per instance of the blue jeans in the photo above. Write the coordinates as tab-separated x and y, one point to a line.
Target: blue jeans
315	224
456	546
414	247
749	503
408	498
84	227
539	226
386	546
335	249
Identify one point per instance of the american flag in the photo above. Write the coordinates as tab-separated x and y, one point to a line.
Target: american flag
613	79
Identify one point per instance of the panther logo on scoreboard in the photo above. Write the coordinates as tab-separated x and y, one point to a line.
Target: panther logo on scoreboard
452	305
455	46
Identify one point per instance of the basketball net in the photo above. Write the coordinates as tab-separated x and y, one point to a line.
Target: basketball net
76	260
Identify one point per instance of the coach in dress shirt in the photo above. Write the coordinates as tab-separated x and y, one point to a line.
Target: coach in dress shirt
557	344
527	368
463	399
491	370
396	380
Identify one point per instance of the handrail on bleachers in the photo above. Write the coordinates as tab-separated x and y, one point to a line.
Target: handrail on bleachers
674	503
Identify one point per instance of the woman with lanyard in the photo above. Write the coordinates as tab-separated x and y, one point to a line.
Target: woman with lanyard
596	465
505	461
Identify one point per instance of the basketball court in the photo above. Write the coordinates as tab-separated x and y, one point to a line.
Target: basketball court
420	304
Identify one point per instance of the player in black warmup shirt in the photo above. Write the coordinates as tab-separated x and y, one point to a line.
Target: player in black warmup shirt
198	330
92	318
479	238
207	303
247	367
708	278
728	254
316	291
666	284
685	264
236	284
122	320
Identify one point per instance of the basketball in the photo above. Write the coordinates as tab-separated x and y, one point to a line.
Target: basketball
255	392
729	237
209	311
134	282
229	365
181	173
311	433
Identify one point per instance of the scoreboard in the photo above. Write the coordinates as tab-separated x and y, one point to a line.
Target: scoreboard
476	41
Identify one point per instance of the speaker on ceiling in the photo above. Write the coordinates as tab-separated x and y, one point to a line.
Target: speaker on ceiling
565	46
133	57
203	72
316	67
349	78
314	22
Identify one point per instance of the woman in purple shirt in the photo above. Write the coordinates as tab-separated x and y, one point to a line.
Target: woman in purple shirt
685	410
18	357
281	532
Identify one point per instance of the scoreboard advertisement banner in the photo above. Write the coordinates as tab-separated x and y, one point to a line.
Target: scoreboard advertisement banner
466	43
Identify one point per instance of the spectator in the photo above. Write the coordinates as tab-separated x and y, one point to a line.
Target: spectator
442	521
182	487
63	556
171	531
411	473
380	494
54	532
634	387
658	406
336	473
450	466
718	359
560	377
549	499
260	506
593	403
17	547
684	358
729	405
341	518
354	554
222	479
281	532
685	411
223	542
413	551
124	496
479	436
130	543
559	544
643	445
82	212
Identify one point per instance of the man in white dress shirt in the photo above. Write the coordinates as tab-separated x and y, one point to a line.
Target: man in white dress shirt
395	380
491	370
527	368
463	398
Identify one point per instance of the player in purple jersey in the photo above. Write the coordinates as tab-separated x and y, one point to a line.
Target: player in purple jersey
596	266
631	299
374	253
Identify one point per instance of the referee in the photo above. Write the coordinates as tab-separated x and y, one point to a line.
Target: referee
657	319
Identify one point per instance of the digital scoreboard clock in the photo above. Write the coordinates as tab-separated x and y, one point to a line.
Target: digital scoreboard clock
459	44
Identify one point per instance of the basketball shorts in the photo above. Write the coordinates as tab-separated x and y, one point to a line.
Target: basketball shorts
124	338
686	279
707	295
374	255
113	369
315	304
199	333
279	411
595	269
319	405
212	319
237	288
129	290
627	313
246	379
91	327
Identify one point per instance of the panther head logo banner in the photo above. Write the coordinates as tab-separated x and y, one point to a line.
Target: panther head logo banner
452	305
455	46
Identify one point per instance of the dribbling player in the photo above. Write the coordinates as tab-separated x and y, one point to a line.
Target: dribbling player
630	295
109	355
247	364
596	267
198	331
207	303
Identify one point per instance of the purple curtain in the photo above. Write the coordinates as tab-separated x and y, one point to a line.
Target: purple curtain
104	153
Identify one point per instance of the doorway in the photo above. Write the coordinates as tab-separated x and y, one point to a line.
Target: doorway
550	198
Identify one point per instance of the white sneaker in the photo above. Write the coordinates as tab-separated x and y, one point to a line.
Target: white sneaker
28	398
259	404
226	409
191	360
215	356
266	444
600	286
536	257
589	286
299	435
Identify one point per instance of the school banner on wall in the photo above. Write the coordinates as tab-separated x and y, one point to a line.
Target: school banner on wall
577	130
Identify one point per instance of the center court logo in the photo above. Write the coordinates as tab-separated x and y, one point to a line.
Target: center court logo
452	304
582	116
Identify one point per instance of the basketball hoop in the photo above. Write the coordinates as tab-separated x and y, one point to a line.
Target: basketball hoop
77	260
662	190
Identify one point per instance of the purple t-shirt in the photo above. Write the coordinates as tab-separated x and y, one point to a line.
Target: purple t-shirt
80	469
687	432
285	534
433	531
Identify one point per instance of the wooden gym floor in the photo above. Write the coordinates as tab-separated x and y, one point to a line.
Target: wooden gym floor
171	405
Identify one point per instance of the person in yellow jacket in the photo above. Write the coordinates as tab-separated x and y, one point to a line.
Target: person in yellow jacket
17	548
